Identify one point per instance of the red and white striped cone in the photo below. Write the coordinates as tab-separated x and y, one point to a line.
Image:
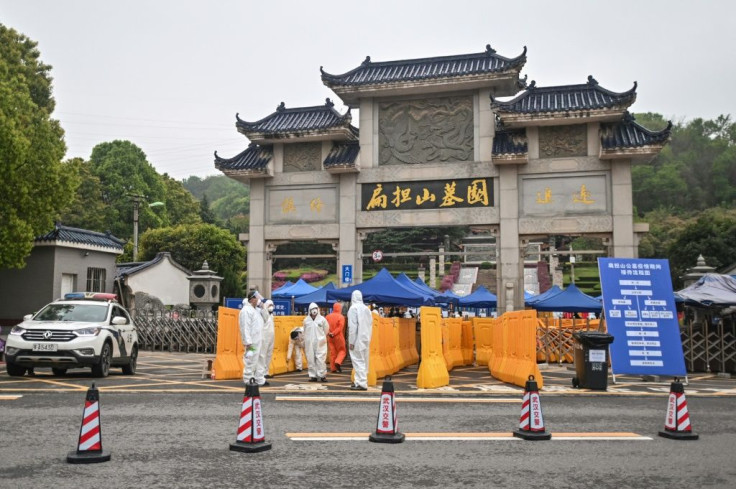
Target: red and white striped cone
387	427
531	424
251	435
677	422
89	448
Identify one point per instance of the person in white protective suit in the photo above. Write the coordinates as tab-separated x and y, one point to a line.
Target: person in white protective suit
315	343
360	329
296	347
250	321
264	359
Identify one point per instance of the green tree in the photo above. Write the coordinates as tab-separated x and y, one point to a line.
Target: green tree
205	213
87	210
181	206
35	184
124	171
191	244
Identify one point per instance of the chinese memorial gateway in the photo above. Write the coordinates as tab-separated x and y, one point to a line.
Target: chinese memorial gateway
444	141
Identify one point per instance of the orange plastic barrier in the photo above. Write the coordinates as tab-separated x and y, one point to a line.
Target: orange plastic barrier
229	354
514	346
453	353
408	340
467	342
482	328
432	369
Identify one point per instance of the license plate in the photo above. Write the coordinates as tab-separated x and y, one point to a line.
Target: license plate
45	347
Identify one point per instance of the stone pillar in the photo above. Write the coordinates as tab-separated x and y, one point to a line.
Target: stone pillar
350	246
257	267
432	274
510	263
358	272
441	264
623	210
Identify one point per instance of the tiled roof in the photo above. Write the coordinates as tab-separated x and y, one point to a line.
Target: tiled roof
254	157
588	96
285	122
371	73
130	268
629	134
343	154
510	142
82	237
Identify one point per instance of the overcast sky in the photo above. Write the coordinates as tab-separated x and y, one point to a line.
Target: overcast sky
170	75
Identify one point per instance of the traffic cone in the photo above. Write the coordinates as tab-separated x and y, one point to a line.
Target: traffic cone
677	422
387	428
251	435
89	448
531	425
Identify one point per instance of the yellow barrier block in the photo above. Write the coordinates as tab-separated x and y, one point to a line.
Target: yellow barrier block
513	356
466	342
408	332
228	362
455	327
446	345
432	369
483	339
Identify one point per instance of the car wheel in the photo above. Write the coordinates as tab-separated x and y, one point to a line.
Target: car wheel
130	368
102	369
15	370
58	371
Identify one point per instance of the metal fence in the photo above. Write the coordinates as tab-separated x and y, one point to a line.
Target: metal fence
182	331
709	346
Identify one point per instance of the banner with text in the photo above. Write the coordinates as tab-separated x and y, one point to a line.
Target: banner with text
639	307
433	194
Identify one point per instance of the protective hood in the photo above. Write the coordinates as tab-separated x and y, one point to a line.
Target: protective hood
313	305
356	297
268	302
337	308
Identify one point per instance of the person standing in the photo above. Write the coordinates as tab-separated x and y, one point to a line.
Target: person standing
360	329
264	359
315	343
250	321
336	337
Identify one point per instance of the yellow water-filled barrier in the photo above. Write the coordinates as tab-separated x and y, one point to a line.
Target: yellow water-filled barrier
432	369
229	354
282	326
482	328
407	341
466	346
453	336
514	346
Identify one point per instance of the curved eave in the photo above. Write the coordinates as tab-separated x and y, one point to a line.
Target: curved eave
79	246
510	159
505	82
342	168
515	119
646	152
348	133
245	175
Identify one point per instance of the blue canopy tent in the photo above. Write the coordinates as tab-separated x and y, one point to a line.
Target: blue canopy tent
569	300
383	289
282	288
319	297
481	298
711	290
404	280
448	297
552	291
299	289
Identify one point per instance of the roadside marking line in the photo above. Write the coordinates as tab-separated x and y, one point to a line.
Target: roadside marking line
469	437
210	387
56	382
402	400
10	397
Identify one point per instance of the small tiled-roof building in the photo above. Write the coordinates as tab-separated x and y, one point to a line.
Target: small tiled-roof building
66	259
161	278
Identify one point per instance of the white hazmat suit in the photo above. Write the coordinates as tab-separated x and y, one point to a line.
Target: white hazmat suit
360	329
315	343
264	358
250	321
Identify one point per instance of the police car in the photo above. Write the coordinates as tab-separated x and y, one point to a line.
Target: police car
81	330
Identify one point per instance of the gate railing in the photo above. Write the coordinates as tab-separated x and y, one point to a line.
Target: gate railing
183	331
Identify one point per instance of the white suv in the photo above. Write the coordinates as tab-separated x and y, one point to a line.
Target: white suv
82	330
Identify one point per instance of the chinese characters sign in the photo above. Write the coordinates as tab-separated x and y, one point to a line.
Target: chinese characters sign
304	205
549	196
435	194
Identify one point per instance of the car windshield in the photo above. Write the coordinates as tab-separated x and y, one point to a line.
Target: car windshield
87	313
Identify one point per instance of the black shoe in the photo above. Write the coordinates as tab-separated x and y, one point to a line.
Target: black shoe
338	367
298	370
354	387
313	379
323	379
266	376
265	384
361	388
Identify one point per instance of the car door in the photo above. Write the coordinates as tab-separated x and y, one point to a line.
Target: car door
124	334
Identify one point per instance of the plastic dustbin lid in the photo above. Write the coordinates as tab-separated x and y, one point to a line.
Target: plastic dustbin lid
593	338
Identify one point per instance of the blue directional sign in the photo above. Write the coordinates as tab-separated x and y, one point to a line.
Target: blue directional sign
347	274
639	307
234	302
281	308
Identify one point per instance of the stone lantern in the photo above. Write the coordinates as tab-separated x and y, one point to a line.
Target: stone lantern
204	288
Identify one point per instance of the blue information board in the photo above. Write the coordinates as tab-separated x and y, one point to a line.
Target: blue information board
281	308
639	307
347	274
234	302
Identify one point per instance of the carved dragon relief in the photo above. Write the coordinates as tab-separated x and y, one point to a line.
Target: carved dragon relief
425	131
563	141
302	157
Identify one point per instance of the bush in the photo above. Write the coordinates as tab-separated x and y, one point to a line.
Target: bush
486	265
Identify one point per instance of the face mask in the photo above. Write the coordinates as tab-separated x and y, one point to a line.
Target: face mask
270	308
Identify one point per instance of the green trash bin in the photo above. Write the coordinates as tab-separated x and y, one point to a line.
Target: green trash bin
591	360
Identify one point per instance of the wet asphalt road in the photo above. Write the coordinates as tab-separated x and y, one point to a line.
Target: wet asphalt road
180	438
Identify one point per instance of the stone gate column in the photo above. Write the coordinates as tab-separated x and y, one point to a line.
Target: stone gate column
349	247
509	262
257	266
